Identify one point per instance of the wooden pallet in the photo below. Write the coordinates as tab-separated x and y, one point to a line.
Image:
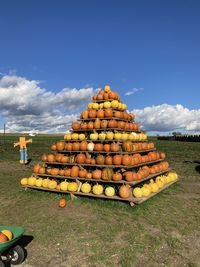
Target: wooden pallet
106	152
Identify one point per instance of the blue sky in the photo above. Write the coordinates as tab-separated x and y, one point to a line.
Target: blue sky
128	44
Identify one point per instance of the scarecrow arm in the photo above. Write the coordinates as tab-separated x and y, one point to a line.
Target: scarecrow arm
16	144
29	141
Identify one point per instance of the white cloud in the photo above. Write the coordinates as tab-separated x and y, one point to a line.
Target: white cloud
164	118
26	106
133	91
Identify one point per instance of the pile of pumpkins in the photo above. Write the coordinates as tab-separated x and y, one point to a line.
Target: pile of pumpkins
106	136
154	185
93	113
124	191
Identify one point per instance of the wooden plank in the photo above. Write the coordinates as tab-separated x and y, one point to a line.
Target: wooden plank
105	152
106	118
104	166
100	180
143	199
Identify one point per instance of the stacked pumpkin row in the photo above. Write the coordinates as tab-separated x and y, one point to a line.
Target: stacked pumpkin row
106	136
117	160
105	124
127	146
106	174
106	114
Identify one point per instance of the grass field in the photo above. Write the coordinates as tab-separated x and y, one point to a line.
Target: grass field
164	231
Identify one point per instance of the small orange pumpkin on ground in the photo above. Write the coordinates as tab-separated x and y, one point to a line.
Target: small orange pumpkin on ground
62	203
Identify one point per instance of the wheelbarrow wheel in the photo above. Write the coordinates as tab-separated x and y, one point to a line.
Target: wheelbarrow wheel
2	264
17	255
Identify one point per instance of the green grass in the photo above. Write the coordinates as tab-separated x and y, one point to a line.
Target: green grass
163	231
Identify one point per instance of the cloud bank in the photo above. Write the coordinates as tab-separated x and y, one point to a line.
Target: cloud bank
26	106
164	118
133	91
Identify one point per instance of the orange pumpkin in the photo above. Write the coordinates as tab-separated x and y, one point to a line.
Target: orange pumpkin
96	174
64	159
53	147
112	95
74	171
85	114
134	176
54	171
125	115
97	124
68	146
76	125
90	125
108	112
126	160
105	96
162	155
50	158
82	173
92	113
112	124
100	96
62	203
36	168
68	172
60	146
129	176
114	147
89	175
117	159
61	172
100	113
98	147
42	170
104	124
84	126
117	176
44	157
80	158
100	159
106	147
75	146
108	160
121	124
118	114
58	157
83	145
124	191
87	160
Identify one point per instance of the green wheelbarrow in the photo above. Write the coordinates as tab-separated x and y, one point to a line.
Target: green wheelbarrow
11	251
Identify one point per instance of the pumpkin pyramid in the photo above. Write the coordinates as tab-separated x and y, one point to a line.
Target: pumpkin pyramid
104	155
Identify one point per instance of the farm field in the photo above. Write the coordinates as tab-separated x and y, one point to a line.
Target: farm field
163	231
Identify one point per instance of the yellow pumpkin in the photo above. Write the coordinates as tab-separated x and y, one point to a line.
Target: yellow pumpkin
145	191
124	136
72	187
168	179
64	185
159	183
106	104
137	192
107	88
52	184
102	136
109	135
119	105
24	181
45	182
97	189
173	176
74	136
67	136
95	106
117	136
94	136
31	181
114	104
90	105
154	187
123	107
147	186
39	182
81	137
137	137
100	105
130	137
86	188
109	191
